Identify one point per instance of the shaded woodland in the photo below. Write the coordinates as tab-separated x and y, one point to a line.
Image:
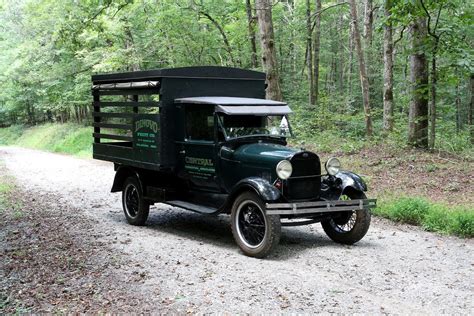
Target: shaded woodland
394	71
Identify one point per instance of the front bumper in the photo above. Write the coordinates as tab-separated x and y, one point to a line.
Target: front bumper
303	208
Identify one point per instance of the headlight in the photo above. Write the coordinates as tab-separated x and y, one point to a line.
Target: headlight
284	169
333	165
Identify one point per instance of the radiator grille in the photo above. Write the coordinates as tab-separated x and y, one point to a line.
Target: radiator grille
305	181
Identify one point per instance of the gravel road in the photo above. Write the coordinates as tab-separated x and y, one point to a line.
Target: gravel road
190	262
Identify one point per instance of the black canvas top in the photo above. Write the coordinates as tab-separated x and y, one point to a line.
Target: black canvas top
228	101
254	110
240	106
204	72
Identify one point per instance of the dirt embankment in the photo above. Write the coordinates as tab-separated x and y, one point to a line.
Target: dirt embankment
437	176
72	250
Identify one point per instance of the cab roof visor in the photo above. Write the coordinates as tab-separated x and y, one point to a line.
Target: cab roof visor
253	109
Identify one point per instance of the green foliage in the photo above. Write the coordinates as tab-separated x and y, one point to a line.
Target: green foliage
50	49
9	135
68	138
6	188
432	217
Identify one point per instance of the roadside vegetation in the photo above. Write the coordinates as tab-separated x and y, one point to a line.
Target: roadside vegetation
7	203
69	138
434	217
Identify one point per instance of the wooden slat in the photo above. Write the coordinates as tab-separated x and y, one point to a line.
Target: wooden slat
120	115
96	118
116	137
126	92
110	125
130	103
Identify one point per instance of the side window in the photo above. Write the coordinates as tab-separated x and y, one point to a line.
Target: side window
199	122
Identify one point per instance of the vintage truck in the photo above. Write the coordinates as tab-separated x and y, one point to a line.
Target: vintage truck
205	139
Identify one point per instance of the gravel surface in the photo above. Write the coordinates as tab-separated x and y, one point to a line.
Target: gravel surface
189	262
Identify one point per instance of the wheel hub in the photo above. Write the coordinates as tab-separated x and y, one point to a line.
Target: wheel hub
251	224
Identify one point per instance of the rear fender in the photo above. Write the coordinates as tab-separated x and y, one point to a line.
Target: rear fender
121	175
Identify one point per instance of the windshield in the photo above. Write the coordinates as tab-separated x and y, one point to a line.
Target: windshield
250	125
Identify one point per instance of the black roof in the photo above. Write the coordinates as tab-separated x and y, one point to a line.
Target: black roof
228	101
204	72
240	106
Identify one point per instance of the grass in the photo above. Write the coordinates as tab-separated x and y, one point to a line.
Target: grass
67	138
434	217
7	201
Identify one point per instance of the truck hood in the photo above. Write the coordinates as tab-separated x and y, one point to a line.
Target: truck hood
263	153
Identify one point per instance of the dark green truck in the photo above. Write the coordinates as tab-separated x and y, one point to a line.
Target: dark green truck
206	140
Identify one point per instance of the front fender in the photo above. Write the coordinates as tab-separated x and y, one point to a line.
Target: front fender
351	180
262	187
334	187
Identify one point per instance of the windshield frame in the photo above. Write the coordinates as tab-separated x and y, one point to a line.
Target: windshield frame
220	125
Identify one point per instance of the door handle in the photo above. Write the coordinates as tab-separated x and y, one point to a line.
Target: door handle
182	152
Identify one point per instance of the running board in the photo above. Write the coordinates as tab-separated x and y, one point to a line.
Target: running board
192	207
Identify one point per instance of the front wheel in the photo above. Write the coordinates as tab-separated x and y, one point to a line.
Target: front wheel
256	233
135	207
349	227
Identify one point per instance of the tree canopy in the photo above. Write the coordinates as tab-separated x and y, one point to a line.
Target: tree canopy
50	49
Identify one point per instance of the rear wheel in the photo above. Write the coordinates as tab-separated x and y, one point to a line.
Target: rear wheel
351	226
256	233
136	209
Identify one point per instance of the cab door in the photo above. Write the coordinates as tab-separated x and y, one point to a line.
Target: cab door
197	151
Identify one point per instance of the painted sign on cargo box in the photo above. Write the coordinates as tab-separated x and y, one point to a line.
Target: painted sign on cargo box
146	132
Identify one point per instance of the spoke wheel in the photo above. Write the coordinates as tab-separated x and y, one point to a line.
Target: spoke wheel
251	224
256	233
135	207
348	227
131	200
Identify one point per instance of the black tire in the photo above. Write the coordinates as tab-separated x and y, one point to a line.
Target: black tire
256	233
136	209
350	228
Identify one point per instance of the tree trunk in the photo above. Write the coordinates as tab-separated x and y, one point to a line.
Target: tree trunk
457	102
309	55
368	22
316	54
251	30
368	35
418	113
134	66
340	50
432	105
388	70
351	61
269	62
362	69
470	110
224	36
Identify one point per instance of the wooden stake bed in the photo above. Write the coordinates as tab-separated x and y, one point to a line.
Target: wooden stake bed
135	116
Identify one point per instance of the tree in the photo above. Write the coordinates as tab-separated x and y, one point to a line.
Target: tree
316	53
432	31
418	113
388	69
309	53
368	39
251	30
267	41
471	109
362	69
